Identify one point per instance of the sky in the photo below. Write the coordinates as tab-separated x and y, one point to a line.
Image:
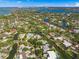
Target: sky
39	3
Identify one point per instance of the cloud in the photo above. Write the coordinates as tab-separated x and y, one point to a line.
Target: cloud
41	5
76	4
19	1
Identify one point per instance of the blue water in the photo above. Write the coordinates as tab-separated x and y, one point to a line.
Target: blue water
58	10
8	10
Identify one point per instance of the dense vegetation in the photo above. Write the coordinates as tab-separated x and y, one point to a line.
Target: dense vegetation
24	31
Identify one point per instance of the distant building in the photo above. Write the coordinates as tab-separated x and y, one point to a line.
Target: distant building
52	55
64	24
75	31
46	19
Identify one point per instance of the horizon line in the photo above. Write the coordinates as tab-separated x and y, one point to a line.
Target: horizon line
39	6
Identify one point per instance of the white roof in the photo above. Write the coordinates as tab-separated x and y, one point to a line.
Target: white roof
66	43
52	55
